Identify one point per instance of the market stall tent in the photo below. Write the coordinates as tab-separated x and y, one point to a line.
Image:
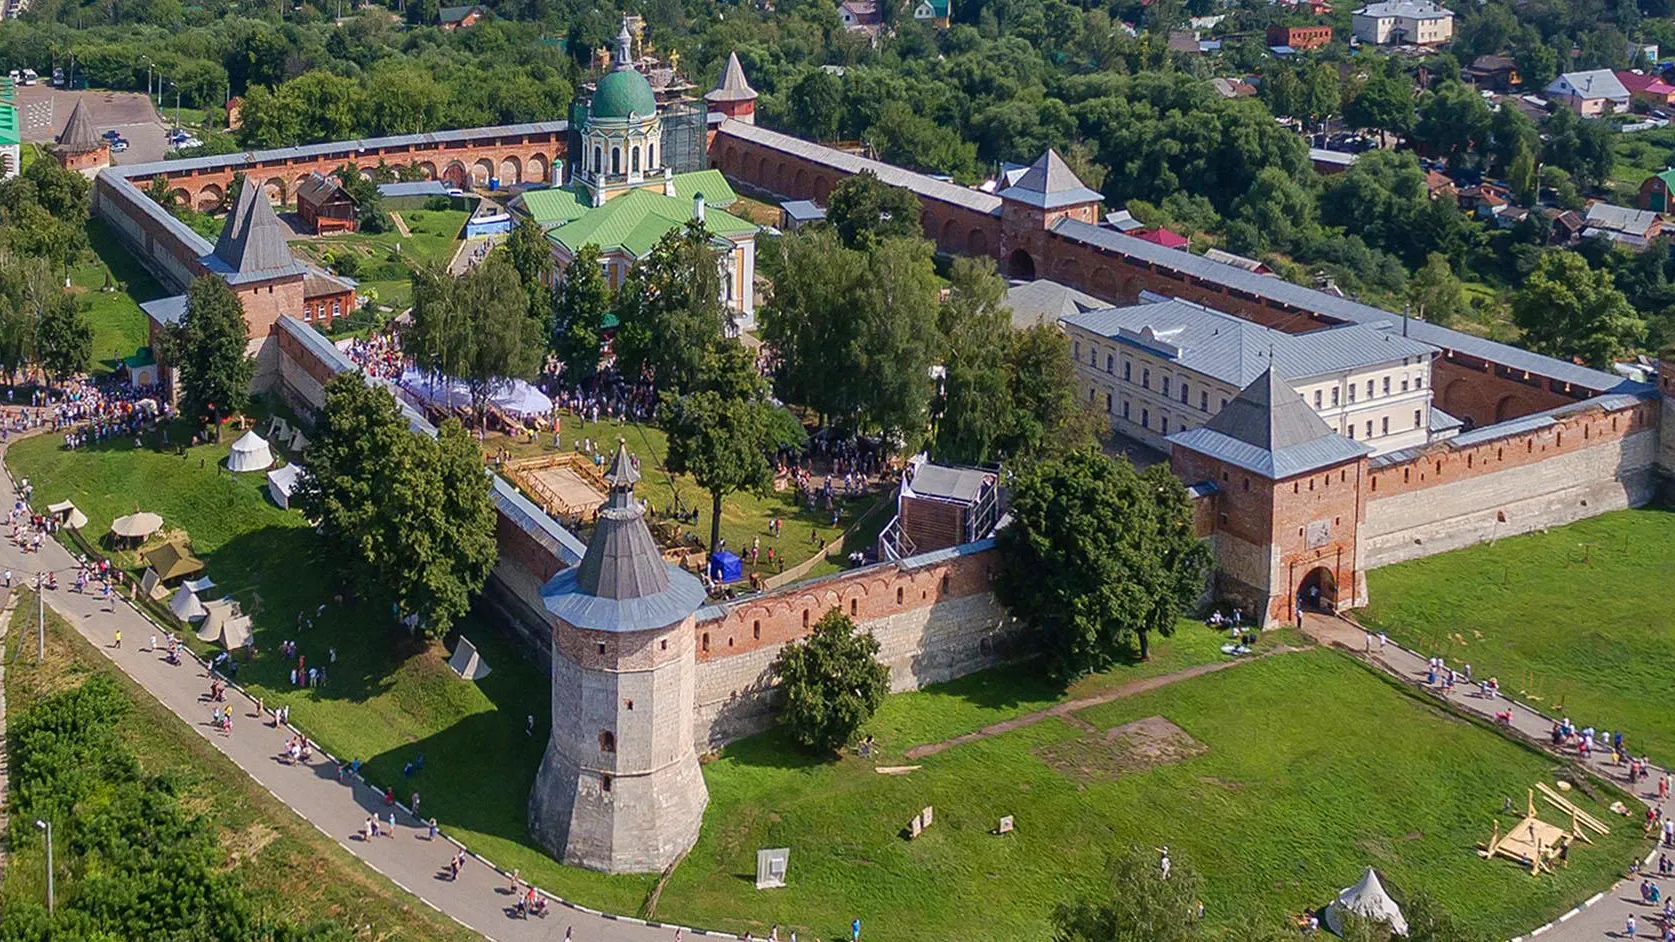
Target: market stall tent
282	482
250	453
186	606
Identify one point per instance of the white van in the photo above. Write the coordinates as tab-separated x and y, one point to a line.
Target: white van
30	77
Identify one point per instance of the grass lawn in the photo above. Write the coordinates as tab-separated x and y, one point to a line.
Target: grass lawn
119	326
285	867
1314	769
744	516
381	269
1579	619
1639	156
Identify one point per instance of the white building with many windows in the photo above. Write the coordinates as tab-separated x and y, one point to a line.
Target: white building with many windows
1164	367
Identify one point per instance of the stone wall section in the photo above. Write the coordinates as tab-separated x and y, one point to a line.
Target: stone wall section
935	618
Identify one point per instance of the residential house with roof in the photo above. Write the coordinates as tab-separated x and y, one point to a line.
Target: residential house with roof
79	146
1493	73
1403	22
1648	89
1590	94
621	197
1160	368
1655	191
1631	228
932	13
452	18
1300	38
324	206
862	16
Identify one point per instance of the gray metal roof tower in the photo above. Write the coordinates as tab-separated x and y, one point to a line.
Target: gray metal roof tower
619	789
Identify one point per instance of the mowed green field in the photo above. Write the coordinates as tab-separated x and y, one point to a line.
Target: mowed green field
1578	620
1311	769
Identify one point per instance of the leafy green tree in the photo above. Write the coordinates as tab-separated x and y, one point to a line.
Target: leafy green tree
832	683
810	321
532	257
1279	209
898	341
1567	309
669	310
1098	557
1434	294
63	338
722	433
1454	120
1047	418
817	104
215	369
369	203
579	307
1511	132
475	327
976	407
409	517
1384	103
1522	179
1134	902
865	211
1581	146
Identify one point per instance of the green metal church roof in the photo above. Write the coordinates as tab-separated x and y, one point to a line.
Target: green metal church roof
635	221
623	93
559	205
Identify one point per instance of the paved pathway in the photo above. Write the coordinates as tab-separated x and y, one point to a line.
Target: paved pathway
1605	915
479	899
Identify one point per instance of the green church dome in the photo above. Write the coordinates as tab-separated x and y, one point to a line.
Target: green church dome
623	93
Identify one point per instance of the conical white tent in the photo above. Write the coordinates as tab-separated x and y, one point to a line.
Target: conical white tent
250	453
1367	899
186	606
217	614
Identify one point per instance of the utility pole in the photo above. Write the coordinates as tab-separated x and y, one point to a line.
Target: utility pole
52	902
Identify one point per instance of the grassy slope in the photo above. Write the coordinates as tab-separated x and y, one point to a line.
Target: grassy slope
435	234
119	326
1315	769
1579	618
287	868
388	699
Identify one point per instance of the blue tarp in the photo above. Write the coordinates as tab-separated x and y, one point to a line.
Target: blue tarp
725	567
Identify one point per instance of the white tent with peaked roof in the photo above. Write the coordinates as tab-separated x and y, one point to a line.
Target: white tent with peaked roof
250	453
186	606
1368	900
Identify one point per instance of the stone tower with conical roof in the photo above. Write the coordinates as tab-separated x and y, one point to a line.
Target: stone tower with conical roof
80	147
732	95
619	789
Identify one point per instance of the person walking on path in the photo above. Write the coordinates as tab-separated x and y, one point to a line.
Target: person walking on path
118	638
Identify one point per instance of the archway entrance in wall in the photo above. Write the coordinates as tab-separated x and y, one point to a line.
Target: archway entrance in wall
1020	265
1318	592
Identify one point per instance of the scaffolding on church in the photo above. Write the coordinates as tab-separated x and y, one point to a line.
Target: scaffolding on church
685	127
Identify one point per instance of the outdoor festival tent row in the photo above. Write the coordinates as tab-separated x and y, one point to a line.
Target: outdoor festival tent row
225	624
166	563
250	453
186	604
516	397
1369	900
282	482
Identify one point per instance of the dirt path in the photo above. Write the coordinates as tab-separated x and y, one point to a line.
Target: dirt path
1068	708
401	225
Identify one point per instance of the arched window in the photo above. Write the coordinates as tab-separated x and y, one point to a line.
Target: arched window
634	160
607	741
651	156
598	159
616	160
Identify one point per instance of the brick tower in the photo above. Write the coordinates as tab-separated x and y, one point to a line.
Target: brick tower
1045	193
1285	502
619	789
732	95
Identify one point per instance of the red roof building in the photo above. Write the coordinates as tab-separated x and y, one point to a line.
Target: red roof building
1650	89
1158	235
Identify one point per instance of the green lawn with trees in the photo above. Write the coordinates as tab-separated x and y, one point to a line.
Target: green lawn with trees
1576	620
263	866
373	258
1312	768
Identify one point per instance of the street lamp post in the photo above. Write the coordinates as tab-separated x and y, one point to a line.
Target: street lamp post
147	75
52	903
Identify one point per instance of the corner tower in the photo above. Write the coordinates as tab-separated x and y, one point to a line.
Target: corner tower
619	789
732	95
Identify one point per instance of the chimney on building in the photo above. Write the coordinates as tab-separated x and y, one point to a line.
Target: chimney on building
698	207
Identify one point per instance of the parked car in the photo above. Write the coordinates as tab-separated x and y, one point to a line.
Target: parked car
112	135
30	77
118	146
57	78
15	76
177	134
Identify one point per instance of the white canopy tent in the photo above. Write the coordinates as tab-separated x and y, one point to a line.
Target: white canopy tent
185	605
250	453
516	397
1368	900
282	482
68	514
216	614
